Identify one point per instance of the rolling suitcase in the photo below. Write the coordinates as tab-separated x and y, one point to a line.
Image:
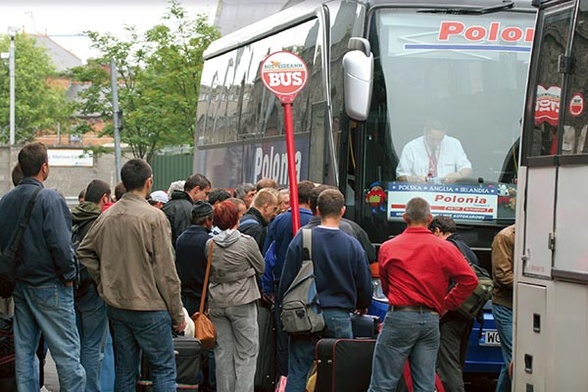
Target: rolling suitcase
364	326
265	372
344	364
187	351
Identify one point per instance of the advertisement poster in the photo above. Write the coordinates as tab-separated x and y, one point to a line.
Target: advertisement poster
460	202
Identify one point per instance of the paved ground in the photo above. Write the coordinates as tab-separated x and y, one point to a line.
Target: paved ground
51	382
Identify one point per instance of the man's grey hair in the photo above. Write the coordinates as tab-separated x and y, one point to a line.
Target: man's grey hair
417	210
242	189
176	186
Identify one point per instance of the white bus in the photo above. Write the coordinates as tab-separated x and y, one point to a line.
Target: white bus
379	71
551	263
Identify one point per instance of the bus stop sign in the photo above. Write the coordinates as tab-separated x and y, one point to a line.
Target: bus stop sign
284	74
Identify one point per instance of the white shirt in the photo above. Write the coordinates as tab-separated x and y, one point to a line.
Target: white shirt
414	160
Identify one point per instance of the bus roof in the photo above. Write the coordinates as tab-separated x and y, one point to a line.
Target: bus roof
307	10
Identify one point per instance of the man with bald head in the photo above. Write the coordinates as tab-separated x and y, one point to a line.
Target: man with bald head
415	271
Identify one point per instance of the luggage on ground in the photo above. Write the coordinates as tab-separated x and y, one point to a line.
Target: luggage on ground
7	373
188	351
346	365
364	326
265	373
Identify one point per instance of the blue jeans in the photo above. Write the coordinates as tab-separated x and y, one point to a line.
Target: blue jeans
48	309
302	347
149	332
92	327
107	373
406	335
503	320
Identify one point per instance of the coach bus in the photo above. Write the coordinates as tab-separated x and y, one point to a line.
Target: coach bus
551	263
380	72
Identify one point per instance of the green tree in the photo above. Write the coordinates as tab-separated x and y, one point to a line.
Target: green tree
159	75
40	101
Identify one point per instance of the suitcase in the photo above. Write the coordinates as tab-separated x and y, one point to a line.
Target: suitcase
364	326
265	373
188	352
345	365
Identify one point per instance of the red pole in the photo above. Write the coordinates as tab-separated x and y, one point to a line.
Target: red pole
290	150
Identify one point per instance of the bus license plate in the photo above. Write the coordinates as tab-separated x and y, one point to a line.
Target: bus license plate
490	338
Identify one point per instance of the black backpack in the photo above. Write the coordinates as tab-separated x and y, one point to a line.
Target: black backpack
473	306
84	281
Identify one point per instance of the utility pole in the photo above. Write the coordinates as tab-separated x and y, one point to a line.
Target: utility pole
11	66
117	120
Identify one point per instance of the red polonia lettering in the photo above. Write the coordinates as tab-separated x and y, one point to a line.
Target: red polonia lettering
460	199
493	33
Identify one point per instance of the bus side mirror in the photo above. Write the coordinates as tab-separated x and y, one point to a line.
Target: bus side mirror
358	71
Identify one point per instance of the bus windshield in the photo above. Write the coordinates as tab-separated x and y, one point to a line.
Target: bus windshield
446	111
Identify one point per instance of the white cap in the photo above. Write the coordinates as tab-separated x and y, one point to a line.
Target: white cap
159	196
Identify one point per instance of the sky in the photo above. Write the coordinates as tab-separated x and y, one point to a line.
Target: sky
64	21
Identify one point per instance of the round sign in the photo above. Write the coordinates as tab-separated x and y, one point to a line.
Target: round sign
576	105
284	74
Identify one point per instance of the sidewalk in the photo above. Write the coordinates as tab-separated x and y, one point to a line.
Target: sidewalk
51	380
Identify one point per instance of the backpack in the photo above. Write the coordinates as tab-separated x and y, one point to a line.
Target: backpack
472	307
301	312
84	280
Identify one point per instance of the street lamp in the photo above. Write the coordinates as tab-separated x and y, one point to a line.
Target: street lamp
12	33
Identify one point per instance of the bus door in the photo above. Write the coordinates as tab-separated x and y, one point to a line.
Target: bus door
570	263
551	214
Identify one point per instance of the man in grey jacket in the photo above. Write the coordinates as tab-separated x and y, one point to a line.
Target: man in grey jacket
129	254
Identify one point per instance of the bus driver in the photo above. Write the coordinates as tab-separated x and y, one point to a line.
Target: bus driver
433	157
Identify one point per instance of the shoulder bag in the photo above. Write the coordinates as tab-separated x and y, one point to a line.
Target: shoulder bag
204	328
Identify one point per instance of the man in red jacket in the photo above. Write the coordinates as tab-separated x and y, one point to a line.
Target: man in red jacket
415	270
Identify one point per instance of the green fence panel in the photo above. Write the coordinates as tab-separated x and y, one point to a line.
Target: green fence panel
169	168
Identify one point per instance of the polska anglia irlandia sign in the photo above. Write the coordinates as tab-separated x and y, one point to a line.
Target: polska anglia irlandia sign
284	74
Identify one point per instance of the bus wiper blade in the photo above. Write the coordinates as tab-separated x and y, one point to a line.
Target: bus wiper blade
470	11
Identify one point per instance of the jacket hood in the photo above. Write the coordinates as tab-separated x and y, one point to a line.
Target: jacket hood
227	237
176	194
84	212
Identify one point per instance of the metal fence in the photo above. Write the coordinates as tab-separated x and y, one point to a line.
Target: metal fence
169	168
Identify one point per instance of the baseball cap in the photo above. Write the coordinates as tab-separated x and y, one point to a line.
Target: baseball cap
159	196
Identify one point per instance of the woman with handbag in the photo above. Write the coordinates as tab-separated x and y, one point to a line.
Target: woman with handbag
233	291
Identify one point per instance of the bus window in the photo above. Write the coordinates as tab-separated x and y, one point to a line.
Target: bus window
555	36
466	72
575	117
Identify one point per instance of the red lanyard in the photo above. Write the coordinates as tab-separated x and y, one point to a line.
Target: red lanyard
433	160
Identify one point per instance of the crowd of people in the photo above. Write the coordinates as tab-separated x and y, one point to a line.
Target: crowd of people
131	266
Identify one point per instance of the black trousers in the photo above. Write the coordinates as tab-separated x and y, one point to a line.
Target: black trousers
455	332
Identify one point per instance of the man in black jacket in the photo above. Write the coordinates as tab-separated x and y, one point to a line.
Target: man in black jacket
90	308
264	208
454	328
178	209
191	266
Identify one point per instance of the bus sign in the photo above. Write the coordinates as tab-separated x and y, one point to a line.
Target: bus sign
284	74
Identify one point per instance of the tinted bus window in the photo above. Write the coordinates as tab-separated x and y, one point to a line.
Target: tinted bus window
554	35
576	117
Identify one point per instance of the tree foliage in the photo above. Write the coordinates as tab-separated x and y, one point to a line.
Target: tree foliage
158	80
40	103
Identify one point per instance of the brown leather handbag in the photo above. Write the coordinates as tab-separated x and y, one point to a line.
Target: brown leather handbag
204	328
